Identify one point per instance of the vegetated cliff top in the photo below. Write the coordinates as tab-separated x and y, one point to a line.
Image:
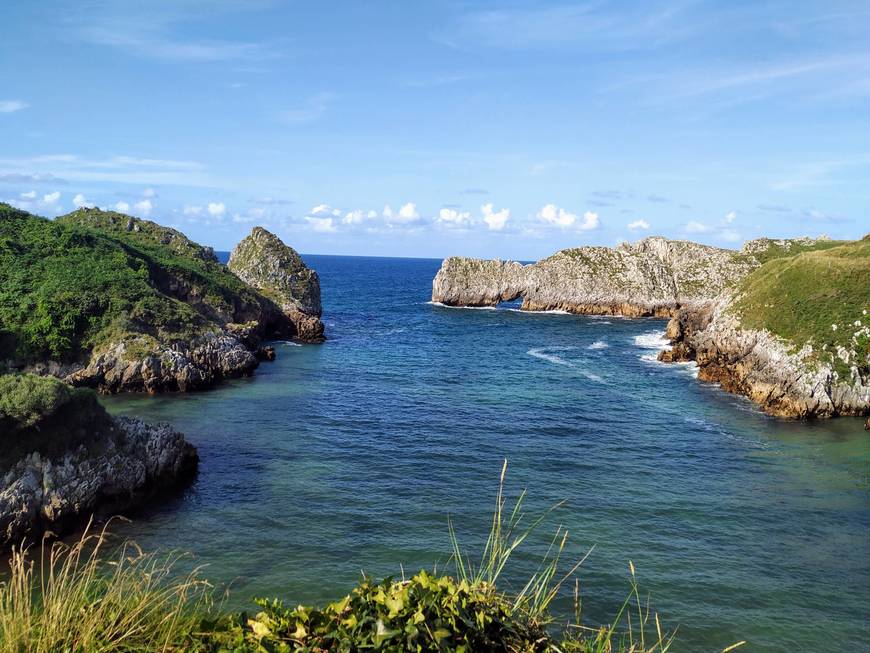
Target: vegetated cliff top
45	415
71	285
819	295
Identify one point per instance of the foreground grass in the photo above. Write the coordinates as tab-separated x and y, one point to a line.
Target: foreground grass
87	598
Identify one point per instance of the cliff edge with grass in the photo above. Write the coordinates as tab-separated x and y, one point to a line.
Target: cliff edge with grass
109	301
793	336
64	459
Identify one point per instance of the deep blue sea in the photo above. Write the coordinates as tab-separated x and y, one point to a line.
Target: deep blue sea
349	456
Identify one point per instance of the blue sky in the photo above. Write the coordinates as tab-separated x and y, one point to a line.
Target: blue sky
507	129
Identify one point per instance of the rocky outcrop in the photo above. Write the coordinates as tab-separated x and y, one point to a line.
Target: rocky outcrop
266	263
782	379
654	276
116	469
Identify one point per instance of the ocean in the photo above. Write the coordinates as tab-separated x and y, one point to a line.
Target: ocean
348	457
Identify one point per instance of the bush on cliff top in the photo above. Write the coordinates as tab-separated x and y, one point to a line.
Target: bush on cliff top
821	297
67	288
42	414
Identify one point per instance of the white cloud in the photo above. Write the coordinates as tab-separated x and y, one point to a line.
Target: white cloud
406	214
372	214
641	225
122	207
216	209
51	198
192	210
387	212
355	217
11	106
322	225
552	214
495	220
695	227
453	218
80	202
149	193
29	195
729	217
559	217
144	207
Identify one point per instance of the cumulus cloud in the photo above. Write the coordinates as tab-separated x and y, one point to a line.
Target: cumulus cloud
406	214
495	220
453	217
357	216
80	202
29	195
11	106
640	225
729	217
145	206
695	227
324	209
122	207
51	198
559	217
322	225
216	209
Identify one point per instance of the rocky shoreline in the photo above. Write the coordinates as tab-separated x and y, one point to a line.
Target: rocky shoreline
783	381
116	470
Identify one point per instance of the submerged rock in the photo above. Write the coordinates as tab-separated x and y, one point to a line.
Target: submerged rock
118	468
266	263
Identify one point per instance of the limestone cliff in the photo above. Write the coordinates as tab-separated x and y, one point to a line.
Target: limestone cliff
654	276
266	263
793	335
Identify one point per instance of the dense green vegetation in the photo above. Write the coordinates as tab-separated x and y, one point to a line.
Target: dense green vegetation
820	296
69	285
45	415
83	597
767	249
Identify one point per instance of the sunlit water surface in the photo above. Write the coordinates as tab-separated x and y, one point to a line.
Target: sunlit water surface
350	455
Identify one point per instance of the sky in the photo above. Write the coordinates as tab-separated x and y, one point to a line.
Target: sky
492	129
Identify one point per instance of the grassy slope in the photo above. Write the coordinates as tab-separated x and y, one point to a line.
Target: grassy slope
66	288
800	297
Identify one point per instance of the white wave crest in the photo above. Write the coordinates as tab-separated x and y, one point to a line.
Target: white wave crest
652	340
544	354
470	308
598	344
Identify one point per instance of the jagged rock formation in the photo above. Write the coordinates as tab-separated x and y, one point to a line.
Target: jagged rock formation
651	277
266	263
64	459
124	304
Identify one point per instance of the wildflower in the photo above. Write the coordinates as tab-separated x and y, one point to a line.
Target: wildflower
833	327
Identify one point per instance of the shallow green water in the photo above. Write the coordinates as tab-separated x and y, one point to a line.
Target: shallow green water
349	456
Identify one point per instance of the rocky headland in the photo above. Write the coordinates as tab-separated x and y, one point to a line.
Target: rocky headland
64	460
754	319
116	303
263	261
654	276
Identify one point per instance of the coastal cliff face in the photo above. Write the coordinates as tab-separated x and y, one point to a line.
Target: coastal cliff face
112	302
65	459
651	277
263	261
794	336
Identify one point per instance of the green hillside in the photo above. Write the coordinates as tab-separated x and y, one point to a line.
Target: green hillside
70	285
820	296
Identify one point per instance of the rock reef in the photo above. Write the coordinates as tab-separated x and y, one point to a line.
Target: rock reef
263	261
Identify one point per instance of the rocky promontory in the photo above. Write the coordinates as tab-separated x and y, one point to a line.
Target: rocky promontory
654	276
794	336
267	264
65	460
116	303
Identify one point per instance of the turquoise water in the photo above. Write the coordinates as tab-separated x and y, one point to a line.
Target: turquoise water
349	456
